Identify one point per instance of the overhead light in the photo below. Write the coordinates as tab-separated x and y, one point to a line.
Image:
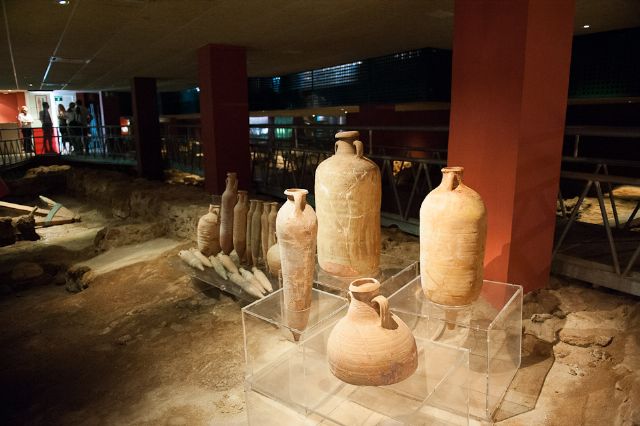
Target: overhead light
197	89
586	26
63	2
30	84
69	60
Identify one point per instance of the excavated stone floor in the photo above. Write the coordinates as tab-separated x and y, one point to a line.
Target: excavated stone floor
144	345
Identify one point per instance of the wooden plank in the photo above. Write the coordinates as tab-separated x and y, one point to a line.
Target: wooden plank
55	221
596	273
20	207
62	211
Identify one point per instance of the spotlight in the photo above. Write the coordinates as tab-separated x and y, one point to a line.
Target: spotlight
63	2
586	26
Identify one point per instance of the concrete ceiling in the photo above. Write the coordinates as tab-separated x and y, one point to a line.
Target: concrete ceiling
114	40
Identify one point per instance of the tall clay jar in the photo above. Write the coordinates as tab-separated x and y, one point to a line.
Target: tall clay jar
229	199
453	232
273	213
348	195
264	230
208	232
256	234
252	208
240	224
296	229
370	346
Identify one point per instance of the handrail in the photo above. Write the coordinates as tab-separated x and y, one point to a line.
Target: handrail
605	131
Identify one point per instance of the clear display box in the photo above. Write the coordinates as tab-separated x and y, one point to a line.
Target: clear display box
393	274
468	356
288	381
490	328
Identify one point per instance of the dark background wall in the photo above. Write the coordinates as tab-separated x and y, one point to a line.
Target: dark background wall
603	65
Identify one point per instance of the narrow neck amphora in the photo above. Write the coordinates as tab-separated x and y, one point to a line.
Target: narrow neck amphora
348	144
368	304
298	197
451	177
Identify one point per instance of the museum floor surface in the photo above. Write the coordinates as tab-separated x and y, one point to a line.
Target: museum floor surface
145	345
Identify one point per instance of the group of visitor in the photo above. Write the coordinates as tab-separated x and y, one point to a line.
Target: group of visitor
73	123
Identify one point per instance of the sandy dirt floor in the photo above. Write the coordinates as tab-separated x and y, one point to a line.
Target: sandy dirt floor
145	345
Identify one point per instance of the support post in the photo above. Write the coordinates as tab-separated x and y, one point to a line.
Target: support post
224	115
508	104
146	127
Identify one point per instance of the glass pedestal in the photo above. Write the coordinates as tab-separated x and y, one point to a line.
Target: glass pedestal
490	328
394	273
468	356
290	379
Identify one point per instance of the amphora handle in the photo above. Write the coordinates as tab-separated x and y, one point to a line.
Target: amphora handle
359	148
385	316
299	197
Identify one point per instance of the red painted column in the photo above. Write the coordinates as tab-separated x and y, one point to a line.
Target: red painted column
508	103
224	115
146	127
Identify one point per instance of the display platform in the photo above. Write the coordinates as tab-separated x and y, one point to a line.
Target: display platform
394	273
290	379
468	356
490	328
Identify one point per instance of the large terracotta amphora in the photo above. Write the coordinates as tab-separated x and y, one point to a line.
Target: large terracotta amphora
229	199
208	232
256	234
264	230
240	224
273	213
296	229
453	232
370	346
347	197
252	209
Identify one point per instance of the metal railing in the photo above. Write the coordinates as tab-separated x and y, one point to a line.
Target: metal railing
181	148
410	159
408	173
105	144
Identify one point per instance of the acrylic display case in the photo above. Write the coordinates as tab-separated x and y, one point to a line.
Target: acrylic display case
490	328
393	274
289	382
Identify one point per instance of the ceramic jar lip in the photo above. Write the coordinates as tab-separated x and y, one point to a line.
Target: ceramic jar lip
453	169
232	174
364	285
348	134
291	191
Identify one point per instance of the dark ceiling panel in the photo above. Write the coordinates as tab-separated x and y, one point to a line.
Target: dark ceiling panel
160	37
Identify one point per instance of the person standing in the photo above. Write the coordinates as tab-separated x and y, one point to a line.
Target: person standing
75	131
83	117
47	128
62	126
25	120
